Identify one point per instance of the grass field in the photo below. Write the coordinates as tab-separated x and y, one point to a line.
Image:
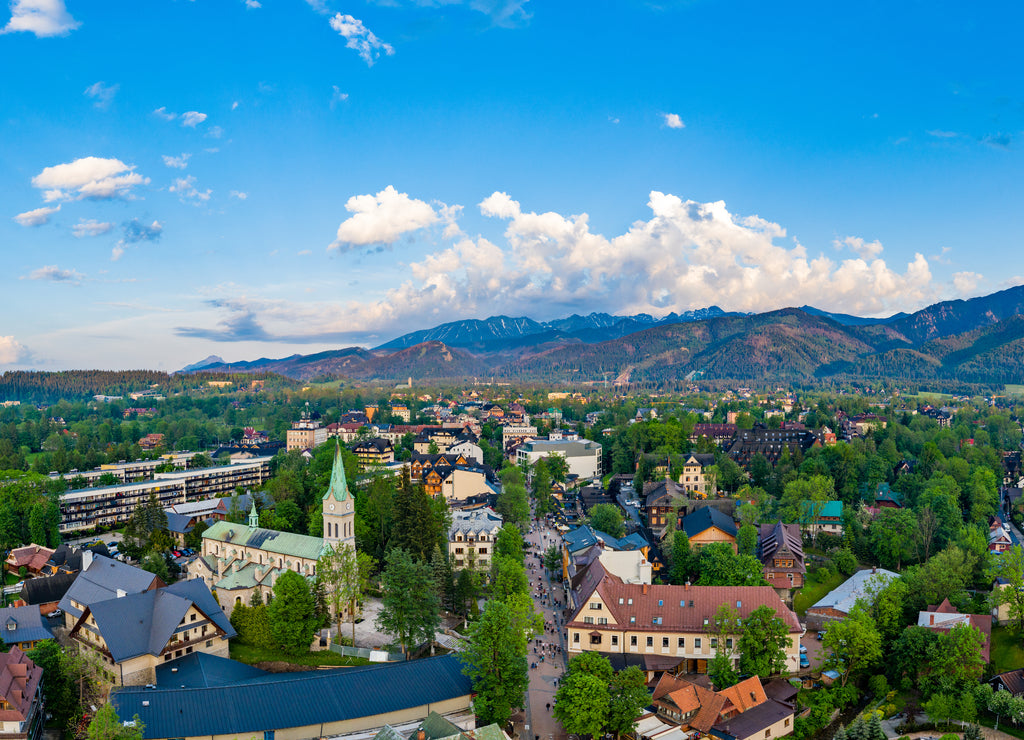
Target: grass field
252	655
1006	650
1014	390
814	588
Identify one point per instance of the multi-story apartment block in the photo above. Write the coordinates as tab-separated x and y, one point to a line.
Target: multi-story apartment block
582	455
306	433
111	505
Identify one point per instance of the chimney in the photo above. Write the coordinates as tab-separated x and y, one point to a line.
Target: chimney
86	559
931	619
645	589
686	586
874	570
421	735
121	593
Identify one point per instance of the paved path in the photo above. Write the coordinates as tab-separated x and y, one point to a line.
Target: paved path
544	674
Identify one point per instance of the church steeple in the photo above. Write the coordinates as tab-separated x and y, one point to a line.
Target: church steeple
339	516
338	490
254	517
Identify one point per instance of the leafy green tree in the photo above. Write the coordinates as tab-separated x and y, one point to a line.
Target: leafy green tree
512	503
582	704
106	725
845	561
59	690
892	535
946	575
1009	566
593	663
763	643
553	560
292	613
854	644
940	707
345	574
509	543
746	539
418	526
607	518
508	577
720	566
444	578
409	606
682	559
942	495
156	564
628	696
495	658
956	657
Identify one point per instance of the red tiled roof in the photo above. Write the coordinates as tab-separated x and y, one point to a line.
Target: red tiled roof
640	601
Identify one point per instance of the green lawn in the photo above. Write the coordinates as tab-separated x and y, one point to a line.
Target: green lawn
1007	649
814	588
1014	390
252	655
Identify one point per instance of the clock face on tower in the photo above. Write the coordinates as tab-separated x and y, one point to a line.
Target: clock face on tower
348	505
332	507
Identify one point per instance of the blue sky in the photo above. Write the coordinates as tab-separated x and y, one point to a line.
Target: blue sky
251	179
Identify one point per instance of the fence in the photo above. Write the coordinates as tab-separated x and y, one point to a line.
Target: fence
374	656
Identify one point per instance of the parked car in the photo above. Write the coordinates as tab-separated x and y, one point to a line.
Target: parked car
803	649
804	661
177	553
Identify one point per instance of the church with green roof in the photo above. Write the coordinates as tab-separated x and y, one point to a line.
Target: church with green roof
239	560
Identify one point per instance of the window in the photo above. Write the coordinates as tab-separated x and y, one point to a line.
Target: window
664	642
595	604
602	620
768	732
661	602
588	620
630	601
650	641
787	722
615	640
696	643
714	643
620	600
632	620
595	639
209	643
682	602
681	643
728	643
482	550
656	620
192	618
632	640
458	550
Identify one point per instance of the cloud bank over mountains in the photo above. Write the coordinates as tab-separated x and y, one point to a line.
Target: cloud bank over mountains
686	255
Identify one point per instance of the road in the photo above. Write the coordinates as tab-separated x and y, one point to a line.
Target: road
547	652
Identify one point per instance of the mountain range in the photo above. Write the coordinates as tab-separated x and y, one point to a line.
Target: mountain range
980	340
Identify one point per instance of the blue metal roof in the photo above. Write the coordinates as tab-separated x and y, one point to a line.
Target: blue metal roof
283	700
202	670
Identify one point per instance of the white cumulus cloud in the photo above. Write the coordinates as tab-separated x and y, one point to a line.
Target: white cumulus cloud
672	120
382	218
192	118
41	17
55	274
239	194
864	249
101	93
37	216
92	227
88	177
186	189
180	162
966	282
12	351
359	37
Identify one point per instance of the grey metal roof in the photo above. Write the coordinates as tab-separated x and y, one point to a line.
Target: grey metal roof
143	623
28	623
282	700
102	580
845	595
178	522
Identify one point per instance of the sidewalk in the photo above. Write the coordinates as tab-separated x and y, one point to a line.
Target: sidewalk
540	724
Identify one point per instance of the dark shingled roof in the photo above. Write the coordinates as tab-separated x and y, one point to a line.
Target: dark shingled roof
705	518
752	721
46	590
282	700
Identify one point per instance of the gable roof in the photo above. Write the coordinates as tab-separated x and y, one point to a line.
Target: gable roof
682	608
831	509
338	489
46	590
269	540
773	538
28	625
102	580
282	700
705	518
19	682
663	493
845	595
143	623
